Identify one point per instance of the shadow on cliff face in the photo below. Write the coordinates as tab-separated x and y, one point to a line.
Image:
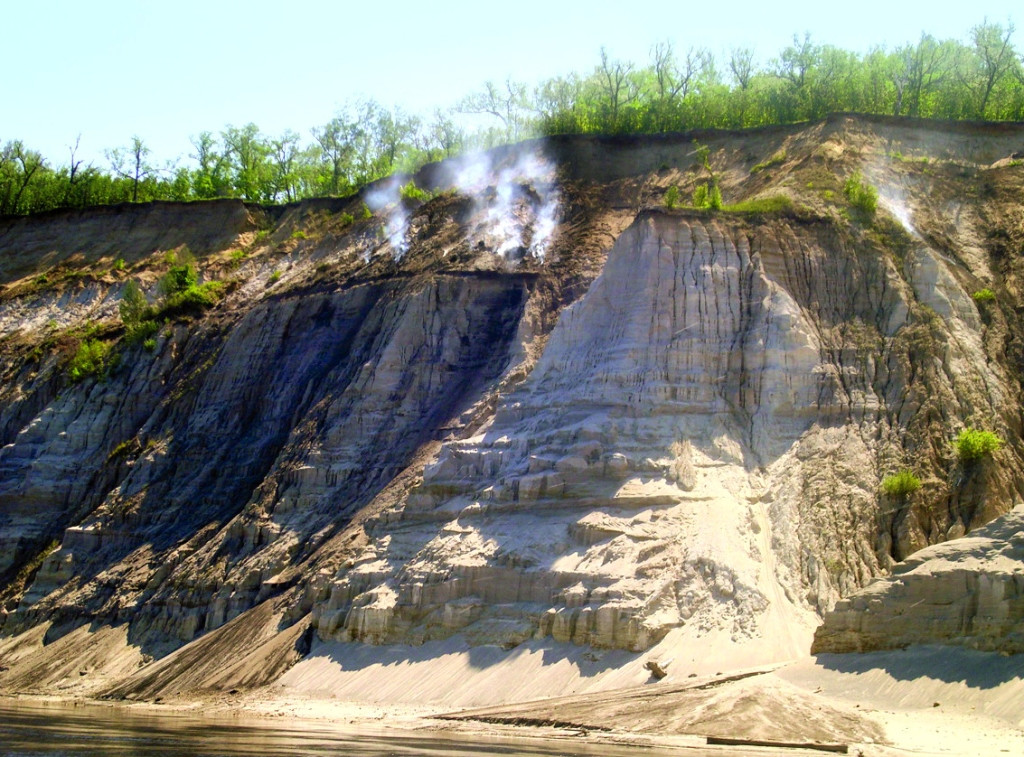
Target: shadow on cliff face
277	430
355	657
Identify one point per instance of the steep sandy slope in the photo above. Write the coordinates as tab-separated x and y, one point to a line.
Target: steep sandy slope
538	411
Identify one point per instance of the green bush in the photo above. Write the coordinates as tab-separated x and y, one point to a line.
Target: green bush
861	195
181	275
901	484
411	192
672	197
972	444
707	196
141	331
133	304
984	295
89	359
194	299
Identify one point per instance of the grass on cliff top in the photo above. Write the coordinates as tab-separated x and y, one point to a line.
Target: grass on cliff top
708	196
772	204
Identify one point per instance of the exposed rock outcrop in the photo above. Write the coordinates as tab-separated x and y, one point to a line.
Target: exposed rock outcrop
968	592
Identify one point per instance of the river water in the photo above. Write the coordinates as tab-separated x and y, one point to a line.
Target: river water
33	728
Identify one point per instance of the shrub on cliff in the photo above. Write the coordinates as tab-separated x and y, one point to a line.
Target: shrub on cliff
901	484
90	359
411	192
193	300
972	444
136	315
862	196
707	196
181	275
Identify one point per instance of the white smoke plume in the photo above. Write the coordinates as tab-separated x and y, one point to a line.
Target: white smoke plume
387	198
515	197
892	195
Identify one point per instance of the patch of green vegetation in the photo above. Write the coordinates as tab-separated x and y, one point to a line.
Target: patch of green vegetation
149	344
136	315
861	195
707	196
972	444
984	295
274	277
142	331
411	192
121	450
672	197
299	234
898	156
364	212
181	273
772	204
119	265
901	484
777	159
193	300
346	219
89	360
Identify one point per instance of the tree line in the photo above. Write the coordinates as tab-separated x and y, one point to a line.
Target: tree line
980	78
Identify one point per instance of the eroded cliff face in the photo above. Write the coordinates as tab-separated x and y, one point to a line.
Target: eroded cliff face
537	406
968	592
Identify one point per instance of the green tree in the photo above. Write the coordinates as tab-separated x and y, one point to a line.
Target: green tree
336	140
132	163
20	167
249	152
994	58
212	178
133	303
509	104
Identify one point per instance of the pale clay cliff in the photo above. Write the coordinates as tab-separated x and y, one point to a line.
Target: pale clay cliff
651	421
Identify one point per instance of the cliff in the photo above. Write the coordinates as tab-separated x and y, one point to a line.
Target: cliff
966	592
537	408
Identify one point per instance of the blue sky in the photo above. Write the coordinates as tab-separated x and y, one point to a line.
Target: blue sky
167	70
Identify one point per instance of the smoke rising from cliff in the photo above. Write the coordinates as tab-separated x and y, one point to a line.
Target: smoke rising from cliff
387	198
515	199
